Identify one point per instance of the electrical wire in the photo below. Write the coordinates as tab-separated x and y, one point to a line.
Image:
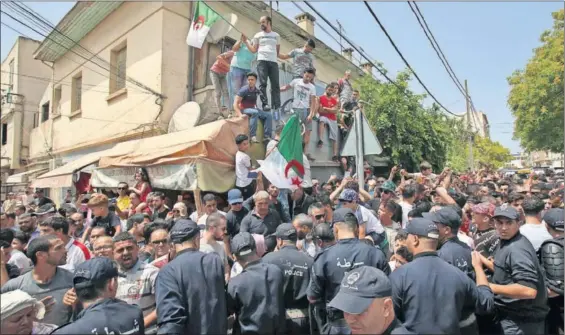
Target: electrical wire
435	45
404	59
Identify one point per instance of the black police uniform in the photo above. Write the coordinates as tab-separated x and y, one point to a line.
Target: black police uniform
330	266
106	316
429	294
296	267
515	261
109	316
190	290
256	294
552	261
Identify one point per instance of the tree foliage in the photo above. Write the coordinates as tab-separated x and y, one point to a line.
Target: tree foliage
536	94
408	131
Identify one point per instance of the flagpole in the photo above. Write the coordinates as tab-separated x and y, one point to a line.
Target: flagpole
222	17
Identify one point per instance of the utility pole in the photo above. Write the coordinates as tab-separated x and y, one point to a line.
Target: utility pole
340	33
469	116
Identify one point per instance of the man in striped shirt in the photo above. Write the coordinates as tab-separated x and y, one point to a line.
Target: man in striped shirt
77	252
138	285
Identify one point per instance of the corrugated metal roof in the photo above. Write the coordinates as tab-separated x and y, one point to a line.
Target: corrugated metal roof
290	31
78	22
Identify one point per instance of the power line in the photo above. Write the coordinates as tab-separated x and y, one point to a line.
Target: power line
404	59
435	45
75	43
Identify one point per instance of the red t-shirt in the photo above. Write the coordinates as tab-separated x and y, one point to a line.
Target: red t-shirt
330	102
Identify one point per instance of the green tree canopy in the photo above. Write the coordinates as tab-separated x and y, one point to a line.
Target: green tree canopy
536	94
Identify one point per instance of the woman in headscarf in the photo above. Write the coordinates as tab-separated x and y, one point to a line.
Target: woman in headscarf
20	312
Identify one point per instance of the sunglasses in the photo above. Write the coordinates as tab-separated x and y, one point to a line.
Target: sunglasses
165	241
236	203
345	201
387	192
319	217
122	188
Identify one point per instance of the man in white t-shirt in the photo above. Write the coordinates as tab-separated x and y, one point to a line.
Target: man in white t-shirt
304	102
210	206
369	225
243	175
534	229
266	44
213	237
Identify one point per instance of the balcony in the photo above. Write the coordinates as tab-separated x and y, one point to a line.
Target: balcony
10	103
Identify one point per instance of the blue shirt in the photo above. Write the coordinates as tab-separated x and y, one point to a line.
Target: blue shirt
242	58
248	96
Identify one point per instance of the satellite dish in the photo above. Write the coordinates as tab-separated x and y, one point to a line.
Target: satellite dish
221	28
185	117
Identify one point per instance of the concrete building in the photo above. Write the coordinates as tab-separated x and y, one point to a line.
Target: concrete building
478	123
121	69
23	80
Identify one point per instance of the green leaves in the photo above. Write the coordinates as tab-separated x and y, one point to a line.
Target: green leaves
536	93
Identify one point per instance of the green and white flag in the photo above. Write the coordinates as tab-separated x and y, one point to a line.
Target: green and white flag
284	166
204	18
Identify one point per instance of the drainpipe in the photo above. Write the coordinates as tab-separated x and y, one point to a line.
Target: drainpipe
51	135
190	84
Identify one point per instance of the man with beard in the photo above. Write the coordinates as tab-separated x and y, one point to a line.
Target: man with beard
138	285
47	281
304	225
213	238
296	269
28	224
160	211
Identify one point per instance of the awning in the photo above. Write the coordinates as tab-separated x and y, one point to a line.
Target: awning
23	177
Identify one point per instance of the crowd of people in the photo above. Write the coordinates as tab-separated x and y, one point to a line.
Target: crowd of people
404	253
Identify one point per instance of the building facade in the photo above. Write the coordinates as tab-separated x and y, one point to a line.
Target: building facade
23	80
121	69
478	123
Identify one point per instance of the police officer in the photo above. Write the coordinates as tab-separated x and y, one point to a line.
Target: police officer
429	294
521	295
190	290
331	264
96	282
296	269
365	300
456	253
256	294
552	262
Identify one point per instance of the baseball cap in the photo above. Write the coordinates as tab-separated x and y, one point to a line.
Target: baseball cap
341	214
359	288
507	212
349	195
554	219
183	230
422	227
286	231
45	209
388	185
95	270
446	216
235	196
243	244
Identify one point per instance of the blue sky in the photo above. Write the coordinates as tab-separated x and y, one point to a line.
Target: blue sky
483	41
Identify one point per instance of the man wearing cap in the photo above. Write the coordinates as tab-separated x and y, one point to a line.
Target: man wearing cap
365	300
190	290
331	264
234	216
296	269
45	212
299	202
256	295
19	312
551	257
96	284
517	282
456	253
387	190
369	225
429	294
484	237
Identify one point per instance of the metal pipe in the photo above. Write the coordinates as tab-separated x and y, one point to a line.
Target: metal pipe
359	166
191	63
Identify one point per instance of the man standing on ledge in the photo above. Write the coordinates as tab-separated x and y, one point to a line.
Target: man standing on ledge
266	44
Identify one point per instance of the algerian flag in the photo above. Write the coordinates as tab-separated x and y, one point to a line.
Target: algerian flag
284	167
204	18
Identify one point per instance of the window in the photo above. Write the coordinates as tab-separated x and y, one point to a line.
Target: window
76	94
57	101
4	133
45	112
11	80
36	119
118	61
